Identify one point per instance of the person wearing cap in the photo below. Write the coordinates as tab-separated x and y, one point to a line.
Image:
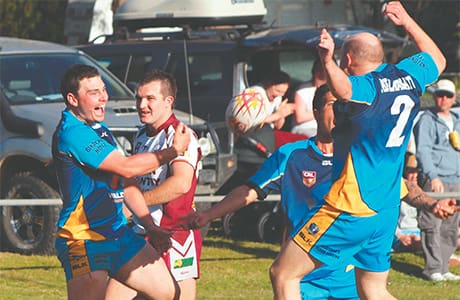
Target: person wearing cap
439	158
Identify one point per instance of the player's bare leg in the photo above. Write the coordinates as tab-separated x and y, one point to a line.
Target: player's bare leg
146	273
187	289
89	286
291	264
118	291
372	285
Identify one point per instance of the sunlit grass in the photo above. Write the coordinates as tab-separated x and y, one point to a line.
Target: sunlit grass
229	270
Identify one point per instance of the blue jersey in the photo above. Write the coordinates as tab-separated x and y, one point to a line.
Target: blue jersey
302	174
371	135
92	199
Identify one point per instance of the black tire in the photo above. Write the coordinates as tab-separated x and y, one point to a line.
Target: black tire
29	229
202	206
229	225
270	227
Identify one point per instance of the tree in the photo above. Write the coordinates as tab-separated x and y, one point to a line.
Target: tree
32	19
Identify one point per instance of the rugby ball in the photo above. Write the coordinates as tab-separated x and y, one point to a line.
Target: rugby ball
247	111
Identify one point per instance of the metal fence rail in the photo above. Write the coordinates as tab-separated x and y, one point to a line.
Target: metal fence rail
58	201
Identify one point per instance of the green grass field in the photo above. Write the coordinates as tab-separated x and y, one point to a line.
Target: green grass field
230	270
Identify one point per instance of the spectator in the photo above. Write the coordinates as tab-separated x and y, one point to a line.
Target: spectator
454	258
304	122
254	147
274	87
407	235
93	239
439	160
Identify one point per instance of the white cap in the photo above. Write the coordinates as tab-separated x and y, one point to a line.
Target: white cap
445	85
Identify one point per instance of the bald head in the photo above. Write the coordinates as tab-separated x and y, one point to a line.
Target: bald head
364	49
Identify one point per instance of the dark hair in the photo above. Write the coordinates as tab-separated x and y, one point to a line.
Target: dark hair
168	83
70	82
276	77
318	99
317	66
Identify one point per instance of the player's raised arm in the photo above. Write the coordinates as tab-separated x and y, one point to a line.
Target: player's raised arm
337	79
399	16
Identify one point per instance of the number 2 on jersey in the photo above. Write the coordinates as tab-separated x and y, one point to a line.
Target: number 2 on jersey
402	106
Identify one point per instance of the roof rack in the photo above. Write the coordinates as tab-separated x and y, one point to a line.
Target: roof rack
230	33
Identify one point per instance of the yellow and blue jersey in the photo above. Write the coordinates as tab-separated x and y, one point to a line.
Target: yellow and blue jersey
302	173
92	199
371	135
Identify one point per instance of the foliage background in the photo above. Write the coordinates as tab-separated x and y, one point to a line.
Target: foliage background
44	20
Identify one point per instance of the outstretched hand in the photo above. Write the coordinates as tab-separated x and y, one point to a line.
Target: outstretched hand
445	208
193	220
160	239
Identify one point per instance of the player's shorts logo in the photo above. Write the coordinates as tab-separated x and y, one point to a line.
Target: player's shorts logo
309	178
184	262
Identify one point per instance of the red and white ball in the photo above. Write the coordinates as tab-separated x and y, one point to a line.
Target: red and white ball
246	112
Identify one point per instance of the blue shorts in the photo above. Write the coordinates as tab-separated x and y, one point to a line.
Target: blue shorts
336	238
79	257
325	283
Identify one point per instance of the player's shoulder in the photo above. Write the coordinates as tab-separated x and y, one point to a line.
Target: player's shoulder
291	147
71	131
419	58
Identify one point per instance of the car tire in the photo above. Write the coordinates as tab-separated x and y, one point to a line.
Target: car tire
270	227
229	225
29	229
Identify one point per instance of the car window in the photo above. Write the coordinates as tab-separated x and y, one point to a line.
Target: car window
297	64
36	78
210	76
116	64
138	66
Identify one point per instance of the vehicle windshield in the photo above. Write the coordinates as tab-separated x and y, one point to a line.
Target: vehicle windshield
27	79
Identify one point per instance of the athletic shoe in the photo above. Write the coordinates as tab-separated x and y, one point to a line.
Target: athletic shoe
450	276
436	277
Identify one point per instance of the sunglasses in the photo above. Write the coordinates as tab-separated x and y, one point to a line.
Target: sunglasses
444	94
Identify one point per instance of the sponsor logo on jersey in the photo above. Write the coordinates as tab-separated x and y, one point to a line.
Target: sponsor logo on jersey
183	262
95	146
326	163
309	178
